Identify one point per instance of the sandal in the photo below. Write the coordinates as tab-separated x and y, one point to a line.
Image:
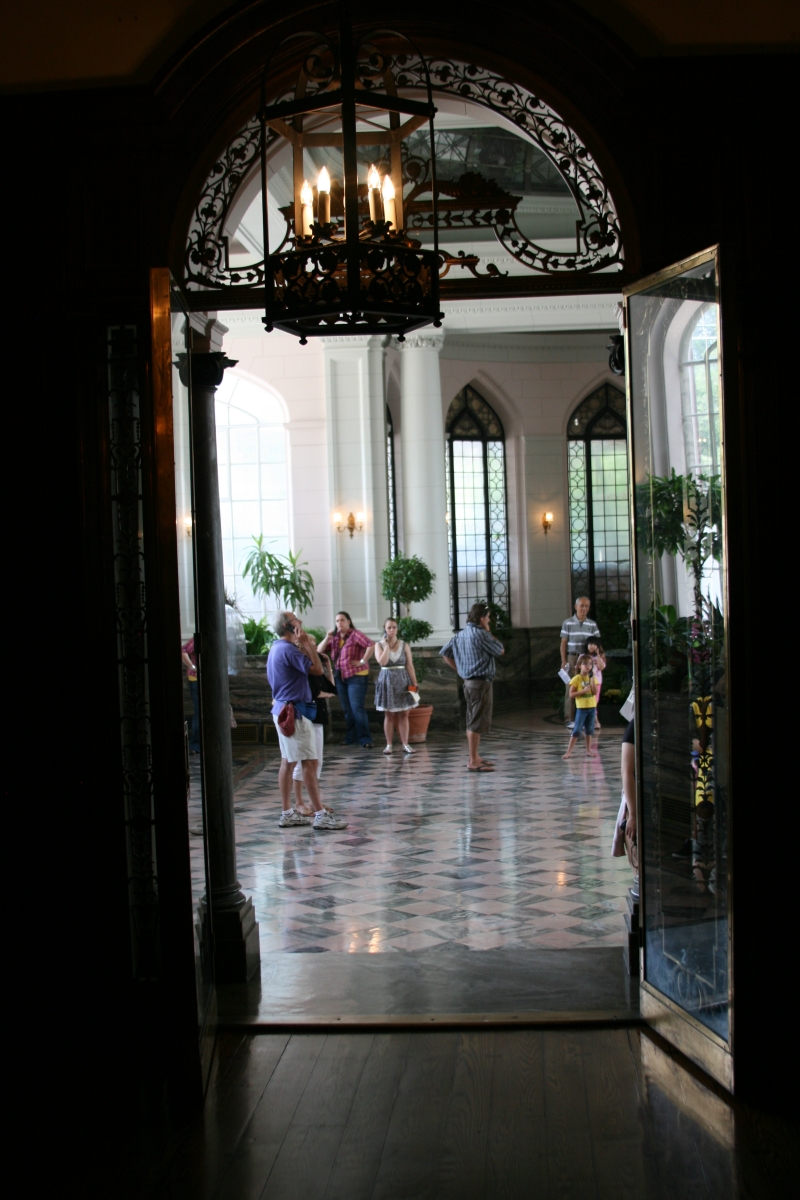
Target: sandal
482	767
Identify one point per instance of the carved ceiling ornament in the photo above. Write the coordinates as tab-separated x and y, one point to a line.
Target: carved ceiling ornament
466	203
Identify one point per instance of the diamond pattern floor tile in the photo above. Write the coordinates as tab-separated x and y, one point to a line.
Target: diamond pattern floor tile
434	855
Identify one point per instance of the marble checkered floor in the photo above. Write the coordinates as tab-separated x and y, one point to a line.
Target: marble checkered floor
435	856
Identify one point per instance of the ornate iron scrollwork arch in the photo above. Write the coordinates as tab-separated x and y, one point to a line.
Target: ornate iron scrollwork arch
598	234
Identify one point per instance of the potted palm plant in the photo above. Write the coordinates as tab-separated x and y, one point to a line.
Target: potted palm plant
406	581
283	577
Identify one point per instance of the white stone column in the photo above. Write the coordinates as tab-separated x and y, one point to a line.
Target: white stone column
424	496
355	405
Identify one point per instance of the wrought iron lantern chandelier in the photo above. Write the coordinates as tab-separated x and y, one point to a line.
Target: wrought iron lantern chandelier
346	264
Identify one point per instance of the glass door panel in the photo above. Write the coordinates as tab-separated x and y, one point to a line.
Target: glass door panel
675	407
174	379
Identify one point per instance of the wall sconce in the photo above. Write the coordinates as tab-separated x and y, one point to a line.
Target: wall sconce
547	521
187	525
352	523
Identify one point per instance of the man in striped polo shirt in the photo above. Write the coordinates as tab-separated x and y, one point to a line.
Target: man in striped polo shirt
574	633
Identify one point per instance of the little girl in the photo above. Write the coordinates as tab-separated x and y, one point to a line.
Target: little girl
583	690
598	666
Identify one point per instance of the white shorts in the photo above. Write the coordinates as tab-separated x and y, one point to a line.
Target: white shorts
303	745
319	731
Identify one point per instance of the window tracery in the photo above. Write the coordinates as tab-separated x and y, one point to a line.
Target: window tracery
476	505
599	524
550	158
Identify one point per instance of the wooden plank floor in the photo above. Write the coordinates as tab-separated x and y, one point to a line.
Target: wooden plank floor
470	1115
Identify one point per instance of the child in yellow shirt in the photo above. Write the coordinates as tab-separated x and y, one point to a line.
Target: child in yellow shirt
583	690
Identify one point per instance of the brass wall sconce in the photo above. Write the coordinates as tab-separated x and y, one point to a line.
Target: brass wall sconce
352	523
547	521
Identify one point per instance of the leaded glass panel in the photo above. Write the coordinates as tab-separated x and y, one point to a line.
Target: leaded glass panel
476	505
469	493
498	525
599	519
578	518
610	519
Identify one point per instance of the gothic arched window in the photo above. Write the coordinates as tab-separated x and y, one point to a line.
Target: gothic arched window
599	525
476	505
702	434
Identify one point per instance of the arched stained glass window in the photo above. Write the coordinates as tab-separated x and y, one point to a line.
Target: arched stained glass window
599	527
476	505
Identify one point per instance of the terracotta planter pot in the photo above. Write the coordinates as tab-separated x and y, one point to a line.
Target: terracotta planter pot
419	719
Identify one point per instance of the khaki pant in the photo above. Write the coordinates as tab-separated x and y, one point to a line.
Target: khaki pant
569	705
478	695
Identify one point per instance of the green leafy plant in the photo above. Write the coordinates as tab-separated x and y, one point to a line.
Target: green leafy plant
411	630
613	617
499	618
282	576
680	515
257	635
616	683
407	580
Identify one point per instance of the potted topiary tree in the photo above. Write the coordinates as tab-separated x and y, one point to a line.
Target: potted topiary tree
406	581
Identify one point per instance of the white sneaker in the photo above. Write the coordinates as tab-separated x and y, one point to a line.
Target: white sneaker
326	820
407	750
388	749
290	818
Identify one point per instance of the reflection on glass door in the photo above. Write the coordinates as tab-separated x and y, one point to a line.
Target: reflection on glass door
172	383
675	401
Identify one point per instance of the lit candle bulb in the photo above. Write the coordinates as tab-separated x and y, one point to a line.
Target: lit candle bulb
389	206
324	197
307	201
374	193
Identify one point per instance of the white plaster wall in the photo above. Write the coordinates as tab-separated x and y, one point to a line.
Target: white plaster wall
533	380
533	384
357	475
297	374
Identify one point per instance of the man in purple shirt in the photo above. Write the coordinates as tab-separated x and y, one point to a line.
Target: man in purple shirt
291	660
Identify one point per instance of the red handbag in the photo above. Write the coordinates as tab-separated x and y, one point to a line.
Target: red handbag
286	720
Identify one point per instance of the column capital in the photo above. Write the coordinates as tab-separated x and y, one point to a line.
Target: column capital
424	339
207	369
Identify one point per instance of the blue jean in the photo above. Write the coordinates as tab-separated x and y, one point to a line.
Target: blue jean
194	728
352	693
584	722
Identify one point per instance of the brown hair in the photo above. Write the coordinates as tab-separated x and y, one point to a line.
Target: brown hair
582	658
477	613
